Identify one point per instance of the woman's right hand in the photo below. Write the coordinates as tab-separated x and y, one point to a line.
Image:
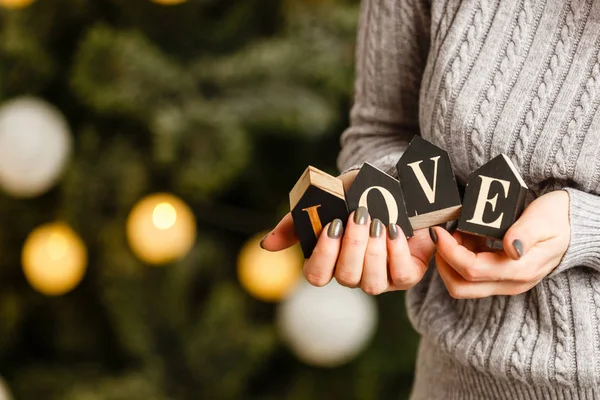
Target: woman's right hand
368	255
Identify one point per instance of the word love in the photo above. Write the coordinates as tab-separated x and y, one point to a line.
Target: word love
425	195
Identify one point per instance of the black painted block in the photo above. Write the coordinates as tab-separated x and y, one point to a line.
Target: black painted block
381	194
494	199
316	199
428	183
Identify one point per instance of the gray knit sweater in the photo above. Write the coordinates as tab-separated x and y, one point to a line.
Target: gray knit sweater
479	78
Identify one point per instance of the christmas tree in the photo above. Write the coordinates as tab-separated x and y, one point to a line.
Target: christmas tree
222	103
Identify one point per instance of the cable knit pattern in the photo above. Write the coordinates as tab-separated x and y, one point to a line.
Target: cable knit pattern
483	345
587	101
479	78
450	335
545	84
558	290
552	79
510	61
460	66
594	282
521	353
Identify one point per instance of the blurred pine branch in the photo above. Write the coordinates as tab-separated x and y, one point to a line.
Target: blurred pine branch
223	103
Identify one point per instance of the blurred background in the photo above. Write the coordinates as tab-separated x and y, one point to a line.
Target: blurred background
145	148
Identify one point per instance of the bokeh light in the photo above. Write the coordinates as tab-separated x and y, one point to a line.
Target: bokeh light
161	228
269	276
168	2
15	3
54	259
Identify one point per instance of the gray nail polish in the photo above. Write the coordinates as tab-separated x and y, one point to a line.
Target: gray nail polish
376	228
494	244
335	229
518	245
433	235
361	216
393	231
451	226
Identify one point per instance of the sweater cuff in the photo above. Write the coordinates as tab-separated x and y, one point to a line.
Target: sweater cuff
386	163
584	247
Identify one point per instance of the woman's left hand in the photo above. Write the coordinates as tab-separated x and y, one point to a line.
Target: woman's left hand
533	246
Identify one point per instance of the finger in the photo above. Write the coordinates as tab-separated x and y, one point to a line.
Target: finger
349	267
521	237
282	236
318	269
405	269
374	279
421	247
460	288
474	267
537	223
493	244
495	266
475	243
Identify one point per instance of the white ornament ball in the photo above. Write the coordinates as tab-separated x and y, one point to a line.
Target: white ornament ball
35	144
327	326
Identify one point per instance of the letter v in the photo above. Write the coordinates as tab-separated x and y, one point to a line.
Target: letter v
428	190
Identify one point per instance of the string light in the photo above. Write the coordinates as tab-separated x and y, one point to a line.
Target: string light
168	2
161	228
269	276
15	3
54	259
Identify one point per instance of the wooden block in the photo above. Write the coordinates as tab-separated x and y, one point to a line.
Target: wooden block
381	194
428	183
494	199
316	199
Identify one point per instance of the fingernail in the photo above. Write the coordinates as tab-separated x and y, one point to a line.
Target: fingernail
361	216
393	231
376	228
262	240
494	244
451	226
335	229
518	245
433	235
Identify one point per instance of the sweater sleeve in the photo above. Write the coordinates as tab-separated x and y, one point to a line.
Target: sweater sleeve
391	51
584	247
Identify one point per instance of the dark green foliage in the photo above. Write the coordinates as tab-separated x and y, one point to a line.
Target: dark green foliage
223	103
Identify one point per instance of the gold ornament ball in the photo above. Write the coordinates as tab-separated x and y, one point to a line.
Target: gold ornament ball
15	3
161	228
54	259
166	2
269	276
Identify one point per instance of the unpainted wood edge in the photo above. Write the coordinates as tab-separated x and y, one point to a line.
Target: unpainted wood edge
315	177
515	171
328	183
299	188
435	217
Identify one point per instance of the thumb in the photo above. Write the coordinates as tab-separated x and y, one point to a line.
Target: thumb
284	234
282	237
529	229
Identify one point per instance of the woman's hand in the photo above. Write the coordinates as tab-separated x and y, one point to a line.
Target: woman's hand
367	255
533	247
284	234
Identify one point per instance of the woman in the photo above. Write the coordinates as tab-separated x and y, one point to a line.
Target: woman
480	78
